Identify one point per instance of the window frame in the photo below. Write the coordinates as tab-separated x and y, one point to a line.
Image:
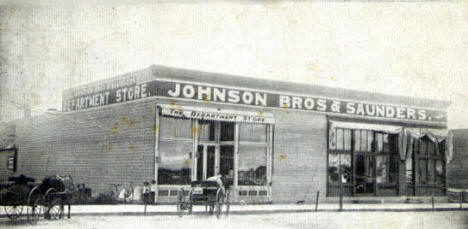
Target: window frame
266	142
262	143
369	149
423	155
160	139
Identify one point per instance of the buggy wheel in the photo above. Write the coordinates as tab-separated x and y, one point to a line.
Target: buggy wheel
48	202
48	196
35	210
219	202
13	211
35	207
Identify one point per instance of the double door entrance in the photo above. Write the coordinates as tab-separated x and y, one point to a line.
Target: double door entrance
215	151
214	159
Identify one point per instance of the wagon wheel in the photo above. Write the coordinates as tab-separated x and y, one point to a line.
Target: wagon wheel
35	211
219	202
48	202
181	204
54	207
13	200
48	196
35	206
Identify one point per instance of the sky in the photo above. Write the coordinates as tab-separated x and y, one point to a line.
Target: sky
415	49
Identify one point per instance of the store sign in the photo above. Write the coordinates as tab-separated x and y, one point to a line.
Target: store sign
213	114
103	95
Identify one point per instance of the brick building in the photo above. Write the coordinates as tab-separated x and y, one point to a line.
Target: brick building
275	141
458	169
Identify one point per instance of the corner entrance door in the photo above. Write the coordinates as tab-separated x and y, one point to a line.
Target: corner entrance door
206	161
364	174
215	150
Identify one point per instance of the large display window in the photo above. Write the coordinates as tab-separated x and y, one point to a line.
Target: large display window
175	145
253	151
362	161
174	166
365	159
339	161
252	165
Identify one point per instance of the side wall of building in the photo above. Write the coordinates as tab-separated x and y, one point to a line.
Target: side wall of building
457	170
300	156
98	147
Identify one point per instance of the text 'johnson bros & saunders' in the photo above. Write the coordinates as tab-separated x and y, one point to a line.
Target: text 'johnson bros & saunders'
216	94
229	95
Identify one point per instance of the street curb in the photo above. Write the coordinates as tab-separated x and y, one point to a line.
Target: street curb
264	212
256	212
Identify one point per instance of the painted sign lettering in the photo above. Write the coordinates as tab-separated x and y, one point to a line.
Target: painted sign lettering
118	93
219	116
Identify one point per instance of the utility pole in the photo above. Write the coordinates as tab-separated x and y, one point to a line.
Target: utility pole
341	183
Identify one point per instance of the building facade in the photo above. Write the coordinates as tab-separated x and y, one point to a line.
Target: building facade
273	141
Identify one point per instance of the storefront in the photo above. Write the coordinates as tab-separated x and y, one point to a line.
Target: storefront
273	141
382	160
195	143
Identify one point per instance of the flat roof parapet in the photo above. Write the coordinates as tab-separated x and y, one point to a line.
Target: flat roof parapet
156	72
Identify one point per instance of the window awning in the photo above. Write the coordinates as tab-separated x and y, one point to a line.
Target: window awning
204	113
365	126
435	135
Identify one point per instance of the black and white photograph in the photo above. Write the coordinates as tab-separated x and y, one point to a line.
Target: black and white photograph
233	114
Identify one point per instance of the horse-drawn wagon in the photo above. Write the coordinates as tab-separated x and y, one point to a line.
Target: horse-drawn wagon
213	193
22	197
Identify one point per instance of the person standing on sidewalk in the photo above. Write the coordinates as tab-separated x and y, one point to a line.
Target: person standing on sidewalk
146	193
153	190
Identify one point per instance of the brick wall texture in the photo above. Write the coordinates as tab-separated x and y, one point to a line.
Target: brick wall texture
300	156
457	170
115	145
99	147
